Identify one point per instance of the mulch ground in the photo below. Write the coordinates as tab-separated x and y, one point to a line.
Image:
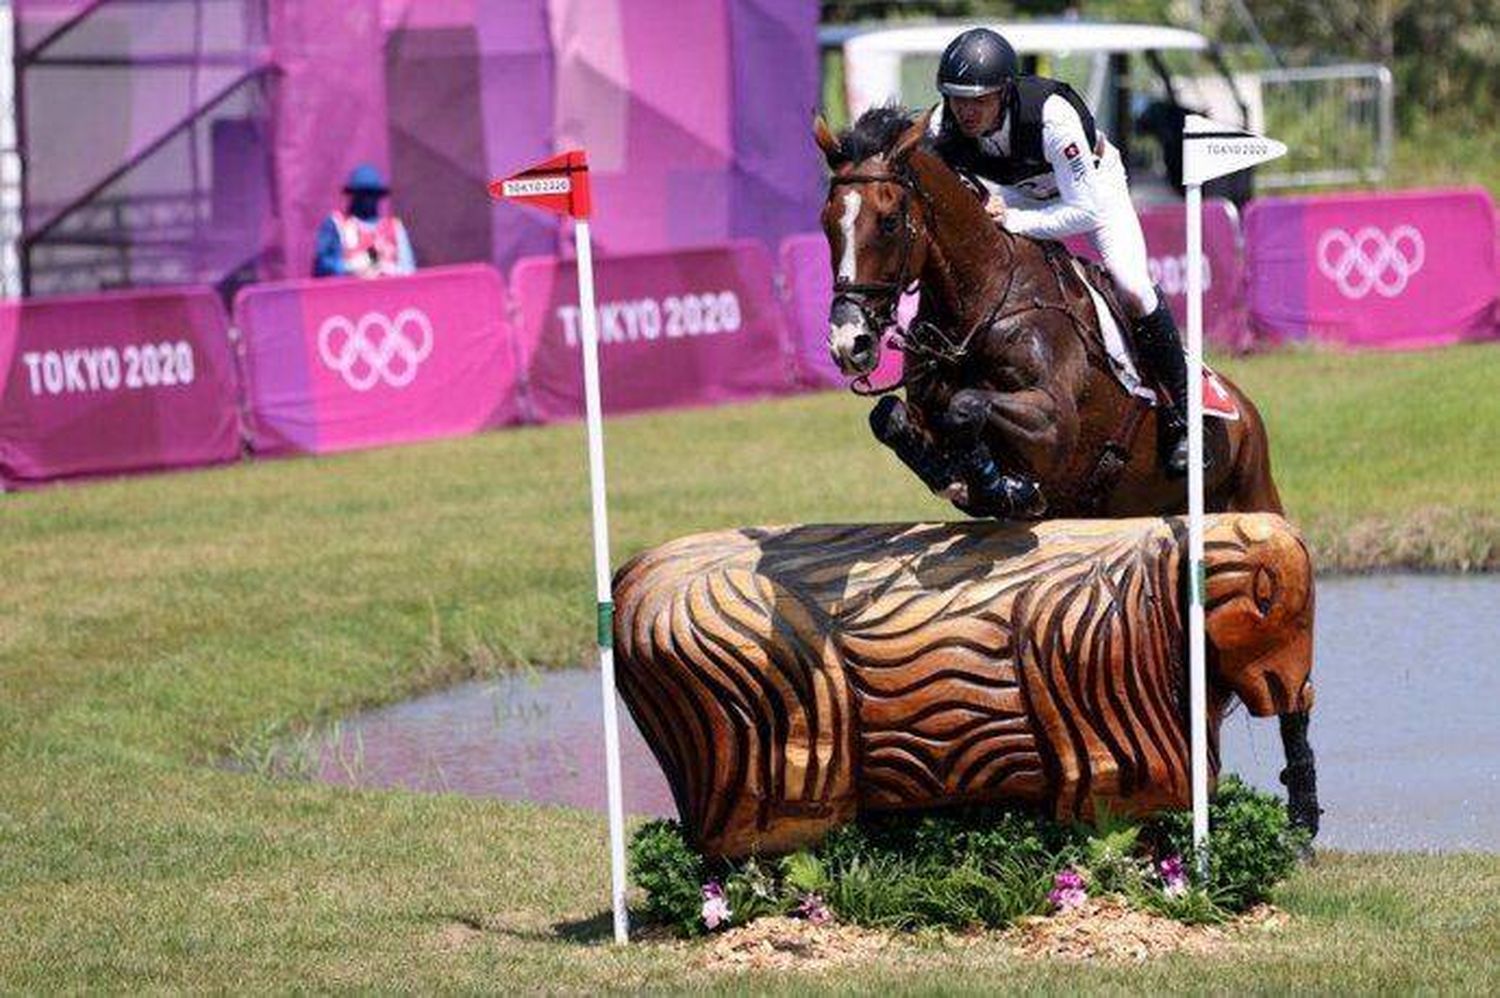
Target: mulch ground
1102	930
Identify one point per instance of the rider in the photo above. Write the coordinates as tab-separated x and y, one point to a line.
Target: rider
1058	176
359	241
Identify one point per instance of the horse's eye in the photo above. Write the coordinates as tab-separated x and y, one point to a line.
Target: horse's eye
888	224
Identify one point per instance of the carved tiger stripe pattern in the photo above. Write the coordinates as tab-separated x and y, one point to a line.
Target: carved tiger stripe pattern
769	719
786	676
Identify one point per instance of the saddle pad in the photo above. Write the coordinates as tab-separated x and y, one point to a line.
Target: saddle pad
1120	360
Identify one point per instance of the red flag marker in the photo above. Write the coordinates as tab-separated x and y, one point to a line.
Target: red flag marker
559	185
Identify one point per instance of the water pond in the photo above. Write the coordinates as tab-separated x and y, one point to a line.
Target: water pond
1406	730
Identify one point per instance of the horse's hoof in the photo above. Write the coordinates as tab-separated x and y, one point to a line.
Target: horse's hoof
1036	508
1023	499
955	492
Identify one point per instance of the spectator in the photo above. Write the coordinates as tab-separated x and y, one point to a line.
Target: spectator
358	242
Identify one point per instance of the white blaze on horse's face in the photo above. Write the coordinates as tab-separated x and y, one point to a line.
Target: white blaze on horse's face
851	343
846	224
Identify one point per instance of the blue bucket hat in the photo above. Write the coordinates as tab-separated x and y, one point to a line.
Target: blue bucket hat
365	179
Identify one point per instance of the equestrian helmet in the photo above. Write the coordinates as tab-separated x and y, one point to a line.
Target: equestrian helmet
976	63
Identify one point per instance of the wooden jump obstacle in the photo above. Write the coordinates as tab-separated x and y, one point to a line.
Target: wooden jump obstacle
787	678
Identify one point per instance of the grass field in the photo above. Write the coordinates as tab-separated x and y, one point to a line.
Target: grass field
151	627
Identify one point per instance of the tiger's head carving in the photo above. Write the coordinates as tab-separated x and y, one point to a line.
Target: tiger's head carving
1259	612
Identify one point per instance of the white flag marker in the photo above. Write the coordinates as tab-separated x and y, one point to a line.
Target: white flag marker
1209	150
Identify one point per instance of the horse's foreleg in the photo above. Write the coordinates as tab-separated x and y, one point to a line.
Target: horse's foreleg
1029	418
893	426
1300	775
970	413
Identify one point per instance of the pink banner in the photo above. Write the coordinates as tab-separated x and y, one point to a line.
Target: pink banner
1165	228
1392	270
809	286
339	364
121	382
695	327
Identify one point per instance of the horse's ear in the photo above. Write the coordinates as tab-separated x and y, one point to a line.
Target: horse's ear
832	151
911	138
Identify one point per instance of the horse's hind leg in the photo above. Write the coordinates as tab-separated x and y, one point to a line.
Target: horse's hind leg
1300	775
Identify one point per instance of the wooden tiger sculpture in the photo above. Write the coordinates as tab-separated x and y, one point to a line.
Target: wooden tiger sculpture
787	678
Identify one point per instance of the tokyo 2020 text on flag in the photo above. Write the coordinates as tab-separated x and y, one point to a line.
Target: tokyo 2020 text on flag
559	185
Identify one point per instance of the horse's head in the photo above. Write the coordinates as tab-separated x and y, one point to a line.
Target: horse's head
877	237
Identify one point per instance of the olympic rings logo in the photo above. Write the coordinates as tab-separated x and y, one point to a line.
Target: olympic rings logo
1371	260
376	348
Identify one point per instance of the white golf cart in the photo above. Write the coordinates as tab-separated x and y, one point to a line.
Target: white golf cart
1141	80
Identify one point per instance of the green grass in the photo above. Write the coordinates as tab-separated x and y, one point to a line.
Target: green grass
149	627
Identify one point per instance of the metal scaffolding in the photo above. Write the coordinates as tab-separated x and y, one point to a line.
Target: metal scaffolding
143	138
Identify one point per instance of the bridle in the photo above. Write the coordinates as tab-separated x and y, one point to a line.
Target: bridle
877	301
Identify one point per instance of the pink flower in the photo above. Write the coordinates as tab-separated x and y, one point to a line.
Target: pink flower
814	909
1174	881
715	908
1067	891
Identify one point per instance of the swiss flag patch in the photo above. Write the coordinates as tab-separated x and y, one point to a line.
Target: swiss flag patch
1072	151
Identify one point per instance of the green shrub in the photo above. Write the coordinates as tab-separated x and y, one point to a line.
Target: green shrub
1252	846
752	891
975	866
671	873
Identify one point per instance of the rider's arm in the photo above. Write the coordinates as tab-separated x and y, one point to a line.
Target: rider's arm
1066	146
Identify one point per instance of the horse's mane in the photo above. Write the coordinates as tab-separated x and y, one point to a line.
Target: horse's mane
875	132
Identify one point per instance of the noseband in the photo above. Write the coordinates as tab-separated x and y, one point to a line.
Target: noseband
877	300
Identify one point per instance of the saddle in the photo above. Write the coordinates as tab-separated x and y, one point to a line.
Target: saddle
1085	284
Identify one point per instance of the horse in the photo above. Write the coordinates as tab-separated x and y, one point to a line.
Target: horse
1005	362
1006	350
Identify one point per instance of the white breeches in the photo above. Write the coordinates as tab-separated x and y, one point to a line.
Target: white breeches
1117	236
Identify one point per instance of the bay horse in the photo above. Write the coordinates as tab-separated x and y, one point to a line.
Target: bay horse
1006	357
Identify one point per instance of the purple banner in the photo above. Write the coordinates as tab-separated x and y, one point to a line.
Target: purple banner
1165	228
339	364
809	287
122	382
697	126
676	329
1392	270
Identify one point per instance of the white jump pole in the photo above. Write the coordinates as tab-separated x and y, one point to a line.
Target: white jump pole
1197	658
602	588
1209	150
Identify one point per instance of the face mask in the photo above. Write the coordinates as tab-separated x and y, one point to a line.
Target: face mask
364	204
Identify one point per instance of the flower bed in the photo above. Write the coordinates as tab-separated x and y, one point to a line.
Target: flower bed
976	868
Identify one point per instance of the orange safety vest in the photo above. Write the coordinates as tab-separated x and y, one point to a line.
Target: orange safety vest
370	250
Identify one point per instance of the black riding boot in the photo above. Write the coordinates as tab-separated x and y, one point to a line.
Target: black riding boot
1159	348
991	491
892	427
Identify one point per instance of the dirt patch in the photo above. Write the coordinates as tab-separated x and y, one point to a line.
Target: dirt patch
793	944
454	936
1103	930
1107	930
